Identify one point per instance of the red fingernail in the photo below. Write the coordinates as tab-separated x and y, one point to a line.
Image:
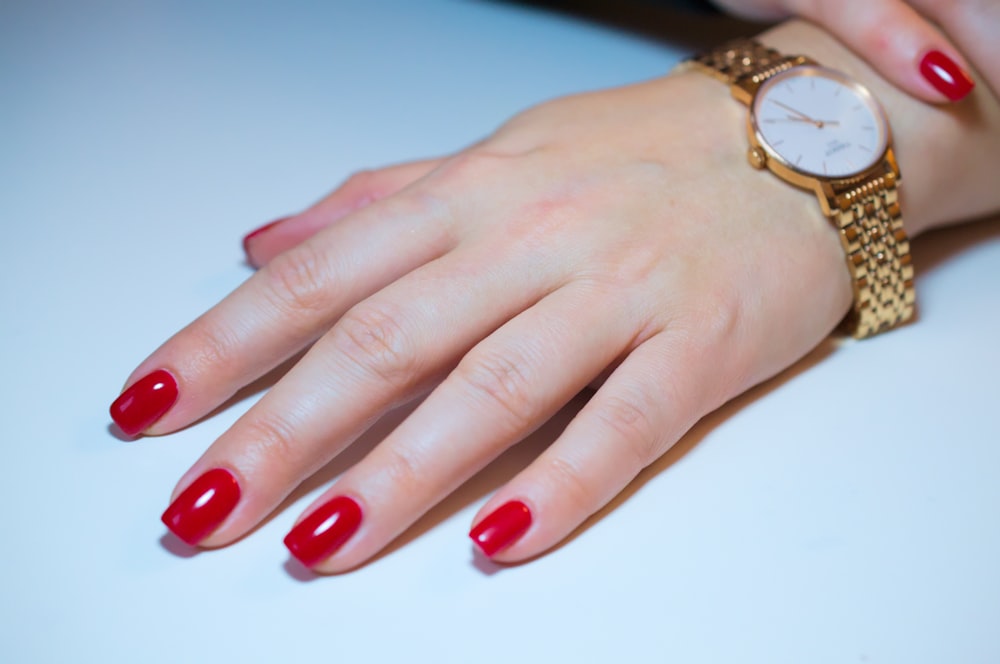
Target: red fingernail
946	76
146	401
502	527
254	233
319	535
203	506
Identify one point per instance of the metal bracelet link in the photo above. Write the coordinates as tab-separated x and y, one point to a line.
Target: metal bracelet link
740	58
878	258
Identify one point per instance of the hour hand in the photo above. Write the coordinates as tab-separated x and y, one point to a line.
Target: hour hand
818	123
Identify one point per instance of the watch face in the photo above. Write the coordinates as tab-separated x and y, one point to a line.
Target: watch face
819	122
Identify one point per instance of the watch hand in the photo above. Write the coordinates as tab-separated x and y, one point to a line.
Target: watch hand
819	123
798	113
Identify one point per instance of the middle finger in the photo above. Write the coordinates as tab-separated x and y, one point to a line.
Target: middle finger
502	390
381	353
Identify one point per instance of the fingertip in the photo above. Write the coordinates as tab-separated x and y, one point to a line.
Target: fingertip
900	43
199	510
357	192
324	531
501	528
945	75
251	238
144	402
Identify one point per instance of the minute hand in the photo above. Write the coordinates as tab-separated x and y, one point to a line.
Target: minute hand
806	118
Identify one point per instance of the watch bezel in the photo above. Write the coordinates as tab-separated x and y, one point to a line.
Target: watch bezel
787	170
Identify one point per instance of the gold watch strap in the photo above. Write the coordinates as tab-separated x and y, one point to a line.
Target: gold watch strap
742	58
878	257
865	211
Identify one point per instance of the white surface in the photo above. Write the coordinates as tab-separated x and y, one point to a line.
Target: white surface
140	140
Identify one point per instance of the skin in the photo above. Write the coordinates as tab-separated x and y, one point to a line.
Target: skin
894	35
616	238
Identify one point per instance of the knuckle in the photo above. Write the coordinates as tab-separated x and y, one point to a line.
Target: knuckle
623	269
270	441
630	418
363	185
373	337
870	34
724	316
716	317
500	380
404	471
212	348
572	486
297	279
474	165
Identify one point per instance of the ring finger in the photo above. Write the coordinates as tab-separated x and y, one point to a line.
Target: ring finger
503	389
382	352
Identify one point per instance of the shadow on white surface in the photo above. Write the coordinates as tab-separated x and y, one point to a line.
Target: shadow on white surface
933	250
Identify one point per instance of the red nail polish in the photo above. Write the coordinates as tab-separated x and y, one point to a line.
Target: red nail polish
319	535
258	231
946	76
502	527
146	401
203	506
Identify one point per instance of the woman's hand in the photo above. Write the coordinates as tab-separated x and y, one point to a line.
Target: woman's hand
900	38
615	235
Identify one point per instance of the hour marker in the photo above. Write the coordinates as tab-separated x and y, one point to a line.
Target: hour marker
798	159
777	143
824	168
868	127
788	86
865	148
837	91
857	108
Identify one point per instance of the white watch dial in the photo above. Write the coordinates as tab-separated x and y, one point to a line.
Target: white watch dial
819	122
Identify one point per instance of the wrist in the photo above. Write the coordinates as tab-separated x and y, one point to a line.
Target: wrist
802	256
941	149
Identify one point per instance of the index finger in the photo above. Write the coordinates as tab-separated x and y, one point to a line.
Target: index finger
278	311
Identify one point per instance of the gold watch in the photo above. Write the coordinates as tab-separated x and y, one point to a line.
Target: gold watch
819	130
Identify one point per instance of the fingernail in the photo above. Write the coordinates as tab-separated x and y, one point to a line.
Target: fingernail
203	506
146	401
946	76
322	533
502	527
258	231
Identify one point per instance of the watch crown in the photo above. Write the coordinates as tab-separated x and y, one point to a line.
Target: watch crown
757	158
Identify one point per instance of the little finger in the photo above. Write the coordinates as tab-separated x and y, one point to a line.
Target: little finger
358	191
502	390
658	392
